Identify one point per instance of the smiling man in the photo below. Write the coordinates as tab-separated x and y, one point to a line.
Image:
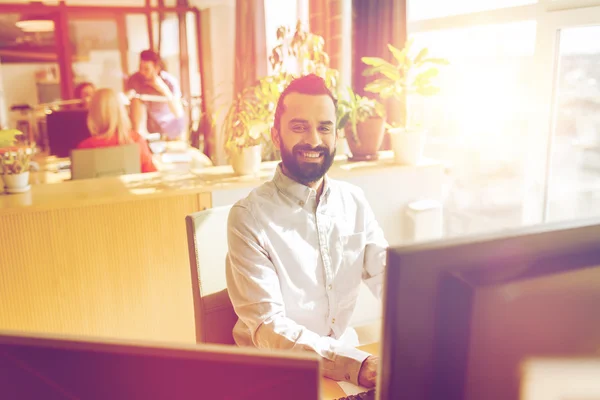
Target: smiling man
300	245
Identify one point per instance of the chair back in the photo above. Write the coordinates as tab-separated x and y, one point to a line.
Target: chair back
105	161
207	245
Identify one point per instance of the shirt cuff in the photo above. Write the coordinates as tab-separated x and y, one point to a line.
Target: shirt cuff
350	360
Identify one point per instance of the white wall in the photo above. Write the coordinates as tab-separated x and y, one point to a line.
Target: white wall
19	84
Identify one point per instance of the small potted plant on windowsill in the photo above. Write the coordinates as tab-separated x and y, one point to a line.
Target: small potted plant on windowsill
407	76
248	124
14	162
363	122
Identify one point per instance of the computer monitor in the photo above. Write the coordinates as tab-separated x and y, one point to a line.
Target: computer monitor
66	129
460	316
51	368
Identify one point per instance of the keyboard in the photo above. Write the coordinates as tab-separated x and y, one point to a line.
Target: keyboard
368	395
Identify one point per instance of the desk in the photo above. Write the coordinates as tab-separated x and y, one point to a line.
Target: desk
108	257
330	389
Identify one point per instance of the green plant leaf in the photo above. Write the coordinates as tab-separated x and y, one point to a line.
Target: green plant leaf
8	137
421	56
426	75
387	69
391	91
392	73
377	85
373	61
343	121
399	55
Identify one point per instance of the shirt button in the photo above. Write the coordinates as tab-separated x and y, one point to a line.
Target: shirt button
301	203
329	287
333	321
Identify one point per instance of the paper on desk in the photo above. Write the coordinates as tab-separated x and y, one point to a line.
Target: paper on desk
350	388
176	157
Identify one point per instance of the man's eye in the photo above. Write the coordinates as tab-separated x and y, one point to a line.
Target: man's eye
325	129
298	128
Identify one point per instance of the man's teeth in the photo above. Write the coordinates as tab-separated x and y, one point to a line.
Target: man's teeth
311	154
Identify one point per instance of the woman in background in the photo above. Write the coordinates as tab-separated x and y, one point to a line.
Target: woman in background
109	126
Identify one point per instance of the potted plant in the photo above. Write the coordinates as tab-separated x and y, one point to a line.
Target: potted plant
406	76
14	162
250	117
363	122
248	125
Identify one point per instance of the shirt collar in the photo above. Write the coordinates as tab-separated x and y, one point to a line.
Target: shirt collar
297	191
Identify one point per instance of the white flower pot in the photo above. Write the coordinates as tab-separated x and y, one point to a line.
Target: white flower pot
16	183
247	160
407	145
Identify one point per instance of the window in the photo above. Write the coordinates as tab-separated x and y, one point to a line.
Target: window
427	9
474	124
279	13
96	56
504	96
574	182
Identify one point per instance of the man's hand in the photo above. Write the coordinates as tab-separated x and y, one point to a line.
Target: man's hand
367	376
162	86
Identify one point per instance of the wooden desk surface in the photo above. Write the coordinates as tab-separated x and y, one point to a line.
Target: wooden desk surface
330	389
164	184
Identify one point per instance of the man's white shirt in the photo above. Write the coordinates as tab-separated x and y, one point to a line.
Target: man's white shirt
294	268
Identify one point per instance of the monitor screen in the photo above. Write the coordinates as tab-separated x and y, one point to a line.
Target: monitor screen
461	316
66	129
43	367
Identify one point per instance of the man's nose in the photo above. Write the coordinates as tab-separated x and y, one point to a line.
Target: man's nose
313	137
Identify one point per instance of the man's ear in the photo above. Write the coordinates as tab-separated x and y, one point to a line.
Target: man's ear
276	138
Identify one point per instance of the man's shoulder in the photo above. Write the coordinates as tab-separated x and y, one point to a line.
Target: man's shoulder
169	79
135	77
258	198
135	81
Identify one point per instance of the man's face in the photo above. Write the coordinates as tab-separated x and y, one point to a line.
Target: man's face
306	136
148	70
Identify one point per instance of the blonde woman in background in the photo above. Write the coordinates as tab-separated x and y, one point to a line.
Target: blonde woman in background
109	126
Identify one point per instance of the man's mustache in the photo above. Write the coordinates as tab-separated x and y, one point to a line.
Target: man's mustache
320	149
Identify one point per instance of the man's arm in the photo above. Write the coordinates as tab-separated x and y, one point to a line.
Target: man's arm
173	97
375	252
255	292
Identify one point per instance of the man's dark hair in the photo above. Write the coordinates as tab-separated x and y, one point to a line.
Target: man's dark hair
308	84
149	55
79	88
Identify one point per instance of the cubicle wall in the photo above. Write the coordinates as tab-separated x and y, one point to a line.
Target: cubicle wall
111	270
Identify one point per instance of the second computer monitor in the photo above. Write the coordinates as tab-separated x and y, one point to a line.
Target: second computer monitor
66	129
461	316
44	367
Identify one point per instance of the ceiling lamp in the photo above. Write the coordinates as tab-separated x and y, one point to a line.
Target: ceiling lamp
35	24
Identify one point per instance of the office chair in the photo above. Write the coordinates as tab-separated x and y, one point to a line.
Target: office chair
207	244
105	161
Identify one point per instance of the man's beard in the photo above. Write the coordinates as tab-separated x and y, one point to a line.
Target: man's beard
306	172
